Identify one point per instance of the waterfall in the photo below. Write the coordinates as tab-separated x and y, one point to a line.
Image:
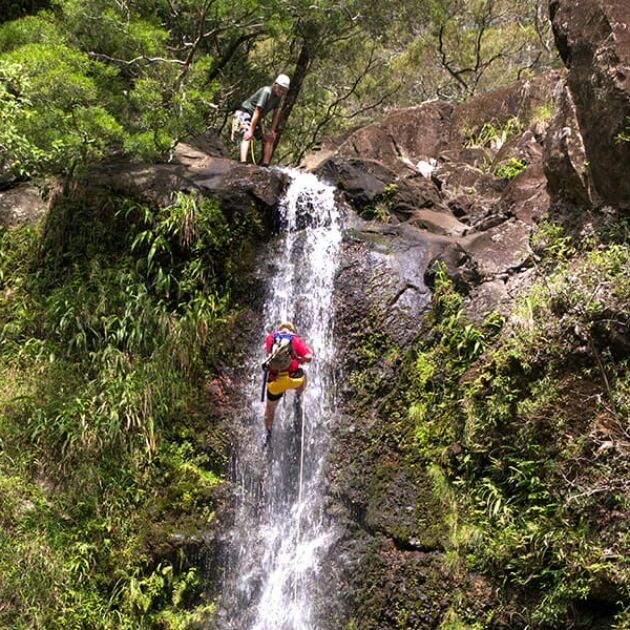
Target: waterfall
281	532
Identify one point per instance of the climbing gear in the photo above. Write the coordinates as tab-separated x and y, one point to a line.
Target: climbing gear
240	126
264	385
281	353
279	358
283	81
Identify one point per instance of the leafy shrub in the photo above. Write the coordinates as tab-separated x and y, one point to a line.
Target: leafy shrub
111	319
509	169
504	410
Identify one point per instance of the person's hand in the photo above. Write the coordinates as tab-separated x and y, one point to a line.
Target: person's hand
247	135
270	135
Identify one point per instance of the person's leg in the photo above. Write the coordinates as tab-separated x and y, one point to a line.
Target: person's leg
300	389
270	413
267	152
244	150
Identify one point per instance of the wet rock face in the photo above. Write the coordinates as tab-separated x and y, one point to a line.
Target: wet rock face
388	562
593	38
380	298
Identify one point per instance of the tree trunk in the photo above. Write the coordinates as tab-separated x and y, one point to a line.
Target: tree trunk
302	67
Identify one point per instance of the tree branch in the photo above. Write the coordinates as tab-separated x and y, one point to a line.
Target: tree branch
454	73
229	53
130	62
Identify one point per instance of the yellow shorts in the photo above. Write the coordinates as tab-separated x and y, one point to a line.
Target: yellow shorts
284	382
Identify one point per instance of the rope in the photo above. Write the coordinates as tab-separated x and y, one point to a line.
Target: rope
251	146
299	520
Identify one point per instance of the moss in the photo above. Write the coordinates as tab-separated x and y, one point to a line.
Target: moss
511	426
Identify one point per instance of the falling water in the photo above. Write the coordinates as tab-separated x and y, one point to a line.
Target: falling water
281	533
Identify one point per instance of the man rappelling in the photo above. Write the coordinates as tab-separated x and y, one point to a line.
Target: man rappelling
247	121
286	352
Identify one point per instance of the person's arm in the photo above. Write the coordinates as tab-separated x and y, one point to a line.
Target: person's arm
304	353
252	125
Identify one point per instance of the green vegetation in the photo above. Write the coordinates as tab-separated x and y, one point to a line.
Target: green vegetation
509	169
624	135
493	134
521	421
381	209
81	81
111	317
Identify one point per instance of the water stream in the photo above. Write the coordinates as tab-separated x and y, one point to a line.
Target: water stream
281	532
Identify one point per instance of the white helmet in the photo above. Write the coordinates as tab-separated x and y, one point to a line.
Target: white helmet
283	81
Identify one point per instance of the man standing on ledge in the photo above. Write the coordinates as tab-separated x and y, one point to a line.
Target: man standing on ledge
248	117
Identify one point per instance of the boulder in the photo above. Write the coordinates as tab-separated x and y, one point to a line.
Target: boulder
594	42
518	101
206	144
235	186
566	165
374	189
22	205
404	137
363	180
500	250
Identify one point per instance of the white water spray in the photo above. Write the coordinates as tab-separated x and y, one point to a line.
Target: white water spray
282	533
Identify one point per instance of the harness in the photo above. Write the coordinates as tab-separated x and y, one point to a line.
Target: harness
280	358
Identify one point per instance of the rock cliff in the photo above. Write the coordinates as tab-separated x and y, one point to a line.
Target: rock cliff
463	184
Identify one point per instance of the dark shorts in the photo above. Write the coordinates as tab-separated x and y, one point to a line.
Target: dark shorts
299	373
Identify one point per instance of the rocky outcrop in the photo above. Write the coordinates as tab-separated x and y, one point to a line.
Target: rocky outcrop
389	562
405	136
594	42
451	199
22	205
235	186
202	165
566	164
471	173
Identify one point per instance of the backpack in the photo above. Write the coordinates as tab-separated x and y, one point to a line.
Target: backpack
281	352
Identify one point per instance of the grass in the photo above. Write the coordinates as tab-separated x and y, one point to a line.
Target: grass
109	320
511	416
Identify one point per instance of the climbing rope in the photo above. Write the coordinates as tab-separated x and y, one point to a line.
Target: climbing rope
299	503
